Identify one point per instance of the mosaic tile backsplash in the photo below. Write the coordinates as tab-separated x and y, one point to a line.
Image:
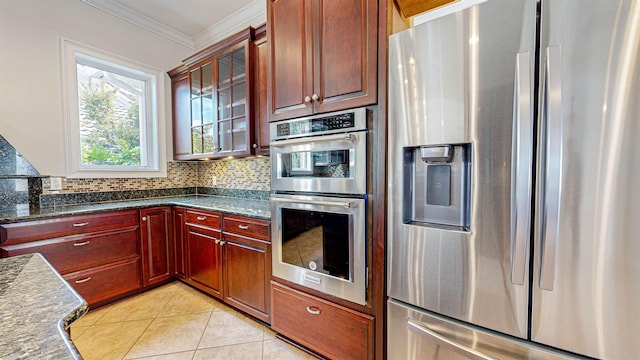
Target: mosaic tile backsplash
243	174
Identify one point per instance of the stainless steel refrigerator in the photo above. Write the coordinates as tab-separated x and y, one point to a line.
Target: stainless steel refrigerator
514	182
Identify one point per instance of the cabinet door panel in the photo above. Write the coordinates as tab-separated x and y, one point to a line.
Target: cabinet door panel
346	56
180	245
205	259
157	248
248	271
181	117
260	110
290	76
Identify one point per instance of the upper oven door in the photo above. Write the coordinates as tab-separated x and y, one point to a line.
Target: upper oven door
333	163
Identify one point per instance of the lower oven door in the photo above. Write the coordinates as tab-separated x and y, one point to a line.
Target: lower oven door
319	242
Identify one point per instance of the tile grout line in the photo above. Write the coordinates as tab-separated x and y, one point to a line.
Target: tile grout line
202	335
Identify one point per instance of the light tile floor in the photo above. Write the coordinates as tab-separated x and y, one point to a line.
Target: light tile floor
176	322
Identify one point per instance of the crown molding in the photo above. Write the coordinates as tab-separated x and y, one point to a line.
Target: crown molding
145	22
254	15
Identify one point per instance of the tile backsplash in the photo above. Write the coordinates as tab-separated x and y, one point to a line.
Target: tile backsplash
245	174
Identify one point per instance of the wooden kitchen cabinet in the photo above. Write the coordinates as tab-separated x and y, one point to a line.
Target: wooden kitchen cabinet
260	109
157	245
180	242
329	329
213	91
322	56
181	111
204	247
98	254
247	261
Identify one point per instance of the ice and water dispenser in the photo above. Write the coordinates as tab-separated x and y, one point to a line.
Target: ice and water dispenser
437	186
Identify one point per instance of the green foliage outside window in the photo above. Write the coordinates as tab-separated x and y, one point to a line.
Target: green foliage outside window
109	135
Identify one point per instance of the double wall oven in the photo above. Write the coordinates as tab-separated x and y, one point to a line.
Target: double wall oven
318	203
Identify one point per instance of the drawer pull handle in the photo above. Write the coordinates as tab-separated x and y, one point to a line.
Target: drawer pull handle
243	227
201	218
313	310
82	243
80	224
83	280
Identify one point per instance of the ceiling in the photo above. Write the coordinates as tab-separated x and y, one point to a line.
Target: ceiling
193	23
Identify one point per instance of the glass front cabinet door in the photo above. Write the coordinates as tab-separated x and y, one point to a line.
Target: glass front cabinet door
233	112
220	104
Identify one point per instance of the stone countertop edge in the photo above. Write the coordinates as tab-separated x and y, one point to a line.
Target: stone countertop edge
36	307
230	205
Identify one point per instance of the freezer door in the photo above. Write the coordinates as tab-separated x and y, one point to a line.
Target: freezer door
419	335
464	80
586	286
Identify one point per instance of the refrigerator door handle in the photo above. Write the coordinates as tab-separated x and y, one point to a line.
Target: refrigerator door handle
553	167
521	160
424	330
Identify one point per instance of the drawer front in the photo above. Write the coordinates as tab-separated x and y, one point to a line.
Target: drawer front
77	252
50	228
104	282
256	228
329	329
205	219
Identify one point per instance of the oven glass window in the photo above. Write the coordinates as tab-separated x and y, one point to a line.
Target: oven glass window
317	164
316	240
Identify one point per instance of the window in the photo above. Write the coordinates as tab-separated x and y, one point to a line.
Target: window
113	122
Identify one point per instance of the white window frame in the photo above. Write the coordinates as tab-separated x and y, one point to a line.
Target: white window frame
153	145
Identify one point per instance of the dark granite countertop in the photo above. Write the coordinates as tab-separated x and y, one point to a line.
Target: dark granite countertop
36	306
230	205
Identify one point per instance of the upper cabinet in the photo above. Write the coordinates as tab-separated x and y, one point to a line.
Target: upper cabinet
261	140
322	56
213	106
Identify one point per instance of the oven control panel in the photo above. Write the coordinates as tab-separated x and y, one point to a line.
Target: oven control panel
343	121
310	126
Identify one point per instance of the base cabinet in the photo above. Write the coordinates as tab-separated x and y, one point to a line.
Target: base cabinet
98	254
247	260
326	328
157	245
205	260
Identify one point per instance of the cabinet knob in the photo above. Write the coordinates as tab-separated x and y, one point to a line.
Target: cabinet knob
144	218
315	97
307	99
255	146
222	243
217	241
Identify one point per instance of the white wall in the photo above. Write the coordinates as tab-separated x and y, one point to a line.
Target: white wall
31	114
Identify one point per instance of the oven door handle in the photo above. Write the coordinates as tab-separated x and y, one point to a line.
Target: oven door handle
308	140
344	204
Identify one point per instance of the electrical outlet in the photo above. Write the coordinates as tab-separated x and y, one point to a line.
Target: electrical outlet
55	183
214	181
